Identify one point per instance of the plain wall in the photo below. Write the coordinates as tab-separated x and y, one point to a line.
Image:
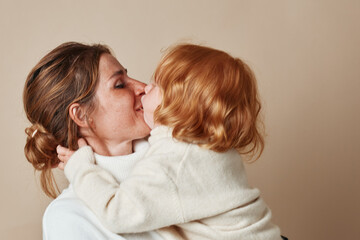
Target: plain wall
305	54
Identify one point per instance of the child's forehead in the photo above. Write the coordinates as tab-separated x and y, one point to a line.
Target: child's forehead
154	81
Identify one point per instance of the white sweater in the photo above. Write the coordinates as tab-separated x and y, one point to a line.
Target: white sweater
204	193
67	218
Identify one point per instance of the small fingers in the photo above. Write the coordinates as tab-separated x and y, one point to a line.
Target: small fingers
63	158
63	161
61	166
63	151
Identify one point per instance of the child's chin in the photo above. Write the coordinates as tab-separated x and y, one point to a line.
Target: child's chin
150	124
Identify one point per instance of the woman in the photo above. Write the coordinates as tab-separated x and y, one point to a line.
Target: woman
76	91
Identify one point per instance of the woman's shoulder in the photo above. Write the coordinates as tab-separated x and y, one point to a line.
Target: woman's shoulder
67	217
63	212
65	204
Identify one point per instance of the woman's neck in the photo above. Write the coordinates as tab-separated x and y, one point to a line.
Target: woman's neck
109	148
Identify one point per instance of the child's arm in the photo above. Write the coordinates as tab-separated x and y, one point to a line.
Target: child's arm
147	200
64	153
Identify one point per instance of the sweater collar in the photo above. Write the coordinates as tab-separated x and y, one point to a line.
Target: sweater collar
159	133
121	166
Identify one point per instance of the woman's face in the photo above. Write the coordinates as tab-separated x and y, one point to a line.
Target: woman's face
118	116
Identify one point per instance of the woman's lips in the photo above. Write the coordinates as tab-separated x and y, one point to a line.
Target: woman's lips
139	108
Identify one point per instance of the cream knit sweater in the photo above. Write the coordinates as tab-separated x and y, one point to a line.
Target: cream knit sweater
67	217
204	193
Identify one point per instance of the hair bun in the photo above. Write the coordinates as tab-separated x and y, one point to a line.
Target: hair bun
34	129
40	151
40	146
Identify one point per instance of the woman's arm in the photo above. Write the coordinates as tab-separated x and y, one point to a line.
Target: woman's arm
147	200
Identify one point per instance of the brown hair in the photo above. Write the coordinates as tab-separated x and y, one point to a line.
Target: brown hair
66	75
209	98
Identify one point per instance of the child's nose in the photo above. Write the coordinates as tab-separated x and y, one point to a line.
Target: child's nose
148	88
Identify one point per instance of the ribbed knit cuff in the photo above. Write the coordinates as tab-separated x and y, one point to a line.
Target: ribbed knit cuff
82	158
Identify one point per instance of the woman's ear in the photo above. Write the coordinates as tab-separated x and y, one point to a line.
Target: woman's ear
77	114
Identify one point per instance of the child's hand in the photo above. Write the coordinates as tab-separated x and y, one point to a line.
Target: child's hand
64	153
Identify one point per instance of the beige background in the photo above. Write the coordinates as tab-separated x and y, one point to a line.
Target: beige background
305	53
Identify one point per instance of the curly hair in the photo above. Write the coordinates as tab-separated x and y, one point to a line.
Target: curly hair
209	98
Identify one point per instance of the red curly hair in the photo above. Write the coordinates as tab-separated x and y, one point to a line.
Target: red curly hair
209	98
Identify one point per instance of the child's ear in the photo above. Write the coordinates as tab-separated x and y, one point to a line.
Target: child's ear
77	114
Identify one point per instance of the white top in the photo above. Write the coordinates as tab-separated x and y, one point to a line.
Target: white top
67	217
204	193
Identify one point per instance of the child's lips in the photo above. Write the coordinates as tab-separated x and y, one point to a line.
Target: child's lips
142	99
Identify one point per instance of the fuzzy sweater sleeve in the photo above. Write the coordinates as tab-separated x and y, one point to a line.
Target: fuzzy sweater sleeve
145	201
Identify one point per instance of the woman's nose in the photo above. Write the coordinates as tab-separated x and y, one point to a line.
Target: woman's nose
138	87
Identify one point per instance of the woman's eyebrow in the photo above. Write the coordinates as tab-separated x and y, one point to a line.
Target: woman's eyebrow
117	73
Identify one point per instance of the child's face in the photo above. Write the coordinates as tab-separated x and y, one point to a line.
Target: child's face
150	101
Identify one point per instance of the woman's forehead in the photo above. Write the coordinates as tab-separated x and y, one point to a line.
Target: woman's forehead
109	65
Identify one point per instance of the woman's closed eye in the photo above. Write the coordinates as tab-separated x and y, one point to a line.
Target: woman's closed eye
120	81
120	85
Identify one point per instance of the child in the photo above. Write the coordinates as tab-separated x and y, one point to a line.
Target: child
203	110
